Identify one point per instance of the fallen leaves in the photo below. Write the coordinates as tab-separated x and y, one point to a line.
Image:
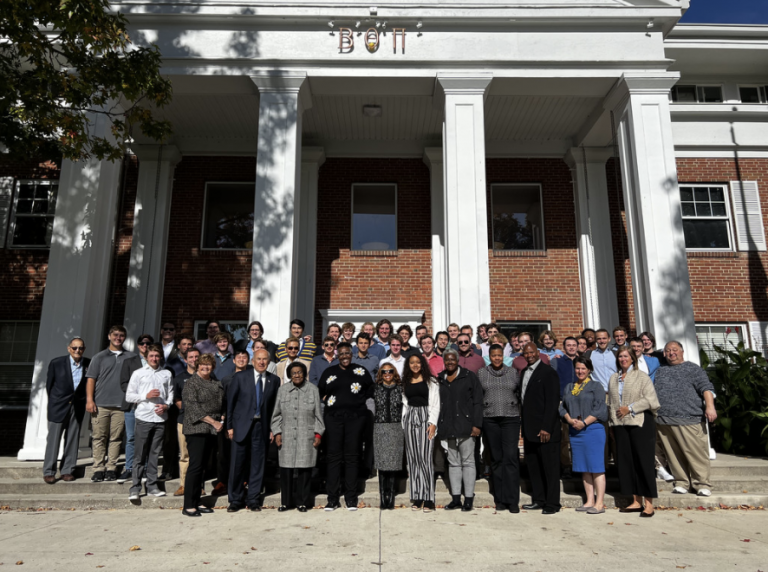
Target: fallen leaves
19	563
610	524
253	548
746	540
134	548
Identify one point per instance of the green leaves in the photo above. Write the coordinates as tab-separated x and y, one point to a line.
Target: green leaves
740	377
63	61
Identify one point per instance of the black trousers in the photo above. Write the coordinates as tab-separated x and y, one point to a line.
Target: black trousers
223	457
543	460
296	492
343	438
636	458
503	434
248	459
199	448
171	444
367	467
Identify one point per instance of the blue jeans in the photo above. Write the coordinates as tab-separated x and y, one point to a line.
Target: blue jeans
130	427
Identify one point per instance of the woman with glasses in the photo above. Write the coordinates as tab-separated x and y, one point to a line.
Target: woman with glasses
421	409
388	436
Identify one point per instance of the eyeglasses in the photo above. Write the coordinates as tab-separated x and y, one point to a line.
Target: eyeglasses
387	371
293	348
77	348
297	374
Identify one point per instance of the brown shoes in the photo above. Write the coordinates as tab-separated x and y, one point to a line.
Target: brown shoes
68	478
219	490
50	479
179	492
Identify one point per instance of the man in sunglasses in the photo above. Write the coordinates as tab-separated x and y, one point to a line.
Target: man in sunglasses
468	358
168	341
65	386
324	360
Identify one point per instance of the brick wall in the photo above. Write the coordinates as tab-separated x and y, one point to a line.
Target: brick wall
347	281
200	284
728	287
531	287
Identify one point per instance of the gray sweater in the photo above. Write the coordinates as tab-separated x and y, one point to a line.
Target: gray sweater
590	401
680	389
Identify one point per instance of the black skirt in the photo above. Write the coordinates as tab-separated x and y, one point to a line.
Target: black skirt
636	449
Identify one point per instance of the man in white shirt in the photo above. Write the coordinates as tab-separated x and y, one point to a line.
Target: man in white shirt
394	357
151	388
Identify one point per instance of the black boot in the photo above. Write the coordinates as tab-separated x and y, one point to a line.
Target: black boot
455	503
391	482
467	504
383	492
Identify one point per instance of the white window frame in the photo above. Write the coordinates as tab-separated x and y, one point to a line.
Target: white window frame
14	204
728	216
745	333
15	407
205	214
221	323
762	93
352	215
699	93
541	207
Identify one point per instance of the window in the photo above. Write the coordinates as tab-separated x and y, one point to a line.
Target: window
236	328
706	217
374	216
726	336
34	205
753	94
535	328
228	216
518	219
697	94
18	344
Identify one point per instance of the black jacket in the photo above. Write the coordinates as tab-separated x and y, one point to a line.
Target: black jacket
241	403
61	389
541	403
129	366
461	405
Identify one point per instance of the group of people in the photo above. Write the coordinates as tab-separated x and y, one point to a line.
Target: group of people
378	400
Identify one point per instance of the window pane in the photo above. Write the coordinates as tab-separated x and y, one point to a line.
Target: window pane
517	218
374	218
711	94
33	231
229	216
26	190
725	336
716	194
701	194
686	194
689	209
749	94
703	209
706	234
684	93
24	206
718	209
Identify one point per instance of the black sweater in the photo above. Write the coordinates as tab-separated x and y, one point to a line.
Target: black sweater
461	405
345	390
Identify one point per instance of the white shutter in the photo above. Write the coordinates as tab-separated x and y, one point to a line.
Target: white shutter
6	196
747	215
759	334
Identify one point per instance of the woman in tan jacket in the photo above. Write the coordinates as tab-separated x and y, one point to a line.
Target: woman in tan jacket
632	404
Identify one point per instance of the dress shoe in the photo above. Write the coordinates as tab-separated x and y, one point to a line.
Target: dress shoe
234	508
68	478
179	492
219	490
283	508
549	511
302	509
533	506
50	479
254	508
185	512
205	510
514	509
637	509
500	507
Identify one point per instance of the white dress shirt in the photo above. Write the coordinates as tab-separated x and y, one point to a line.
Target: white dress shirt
398	363
528	372
142	382
167	349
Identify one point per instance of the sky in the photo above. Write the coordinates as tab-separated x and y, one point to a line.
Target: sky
727	12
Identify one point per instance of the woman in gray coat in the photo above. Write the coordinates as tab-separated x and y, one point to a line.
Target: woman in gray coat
297	424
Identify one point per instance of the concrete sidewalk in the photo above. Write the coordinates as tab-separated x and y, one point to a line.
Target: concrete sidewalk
400	540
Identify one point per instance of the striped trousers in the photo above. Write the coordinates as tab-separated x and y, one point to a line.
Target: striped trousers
418	449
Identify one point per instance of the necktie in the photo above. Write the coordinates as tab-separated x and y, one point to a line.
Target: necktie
258	395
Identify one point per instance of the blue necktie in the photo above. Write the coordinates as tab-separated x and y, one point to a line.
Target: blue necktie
258	395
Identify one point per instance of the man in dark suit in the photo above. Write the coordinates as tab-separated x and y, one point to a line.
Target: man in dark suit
250	402
540	391
65	386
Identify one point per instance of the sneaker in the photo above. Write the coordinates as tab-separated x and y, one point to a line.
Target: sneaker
351	508
331	506
97	477
110	476
664	475
134	494
680	491
156	493
124	476
704	493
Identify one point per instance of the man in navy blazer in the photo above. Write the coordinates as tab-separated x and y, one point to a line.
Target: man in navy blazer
65	386
251	399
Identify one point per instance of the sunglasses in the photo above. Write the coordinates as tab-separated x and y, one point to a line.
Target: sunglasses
463	343
77	348
387	371
293	348
143	344
329	345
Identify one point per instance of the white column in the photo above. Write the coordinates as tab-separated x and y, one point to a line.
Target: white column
149	247
593	228
276	224
433	157
660	281
311	160
77	282
466	219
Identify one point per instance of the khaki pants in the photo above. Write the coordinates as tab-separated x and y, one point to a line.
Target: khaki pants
107	435
184	456
661	457
687	451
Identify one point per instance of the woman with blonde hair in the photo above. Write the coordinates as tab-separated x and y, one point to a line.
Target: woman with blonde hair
388	434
